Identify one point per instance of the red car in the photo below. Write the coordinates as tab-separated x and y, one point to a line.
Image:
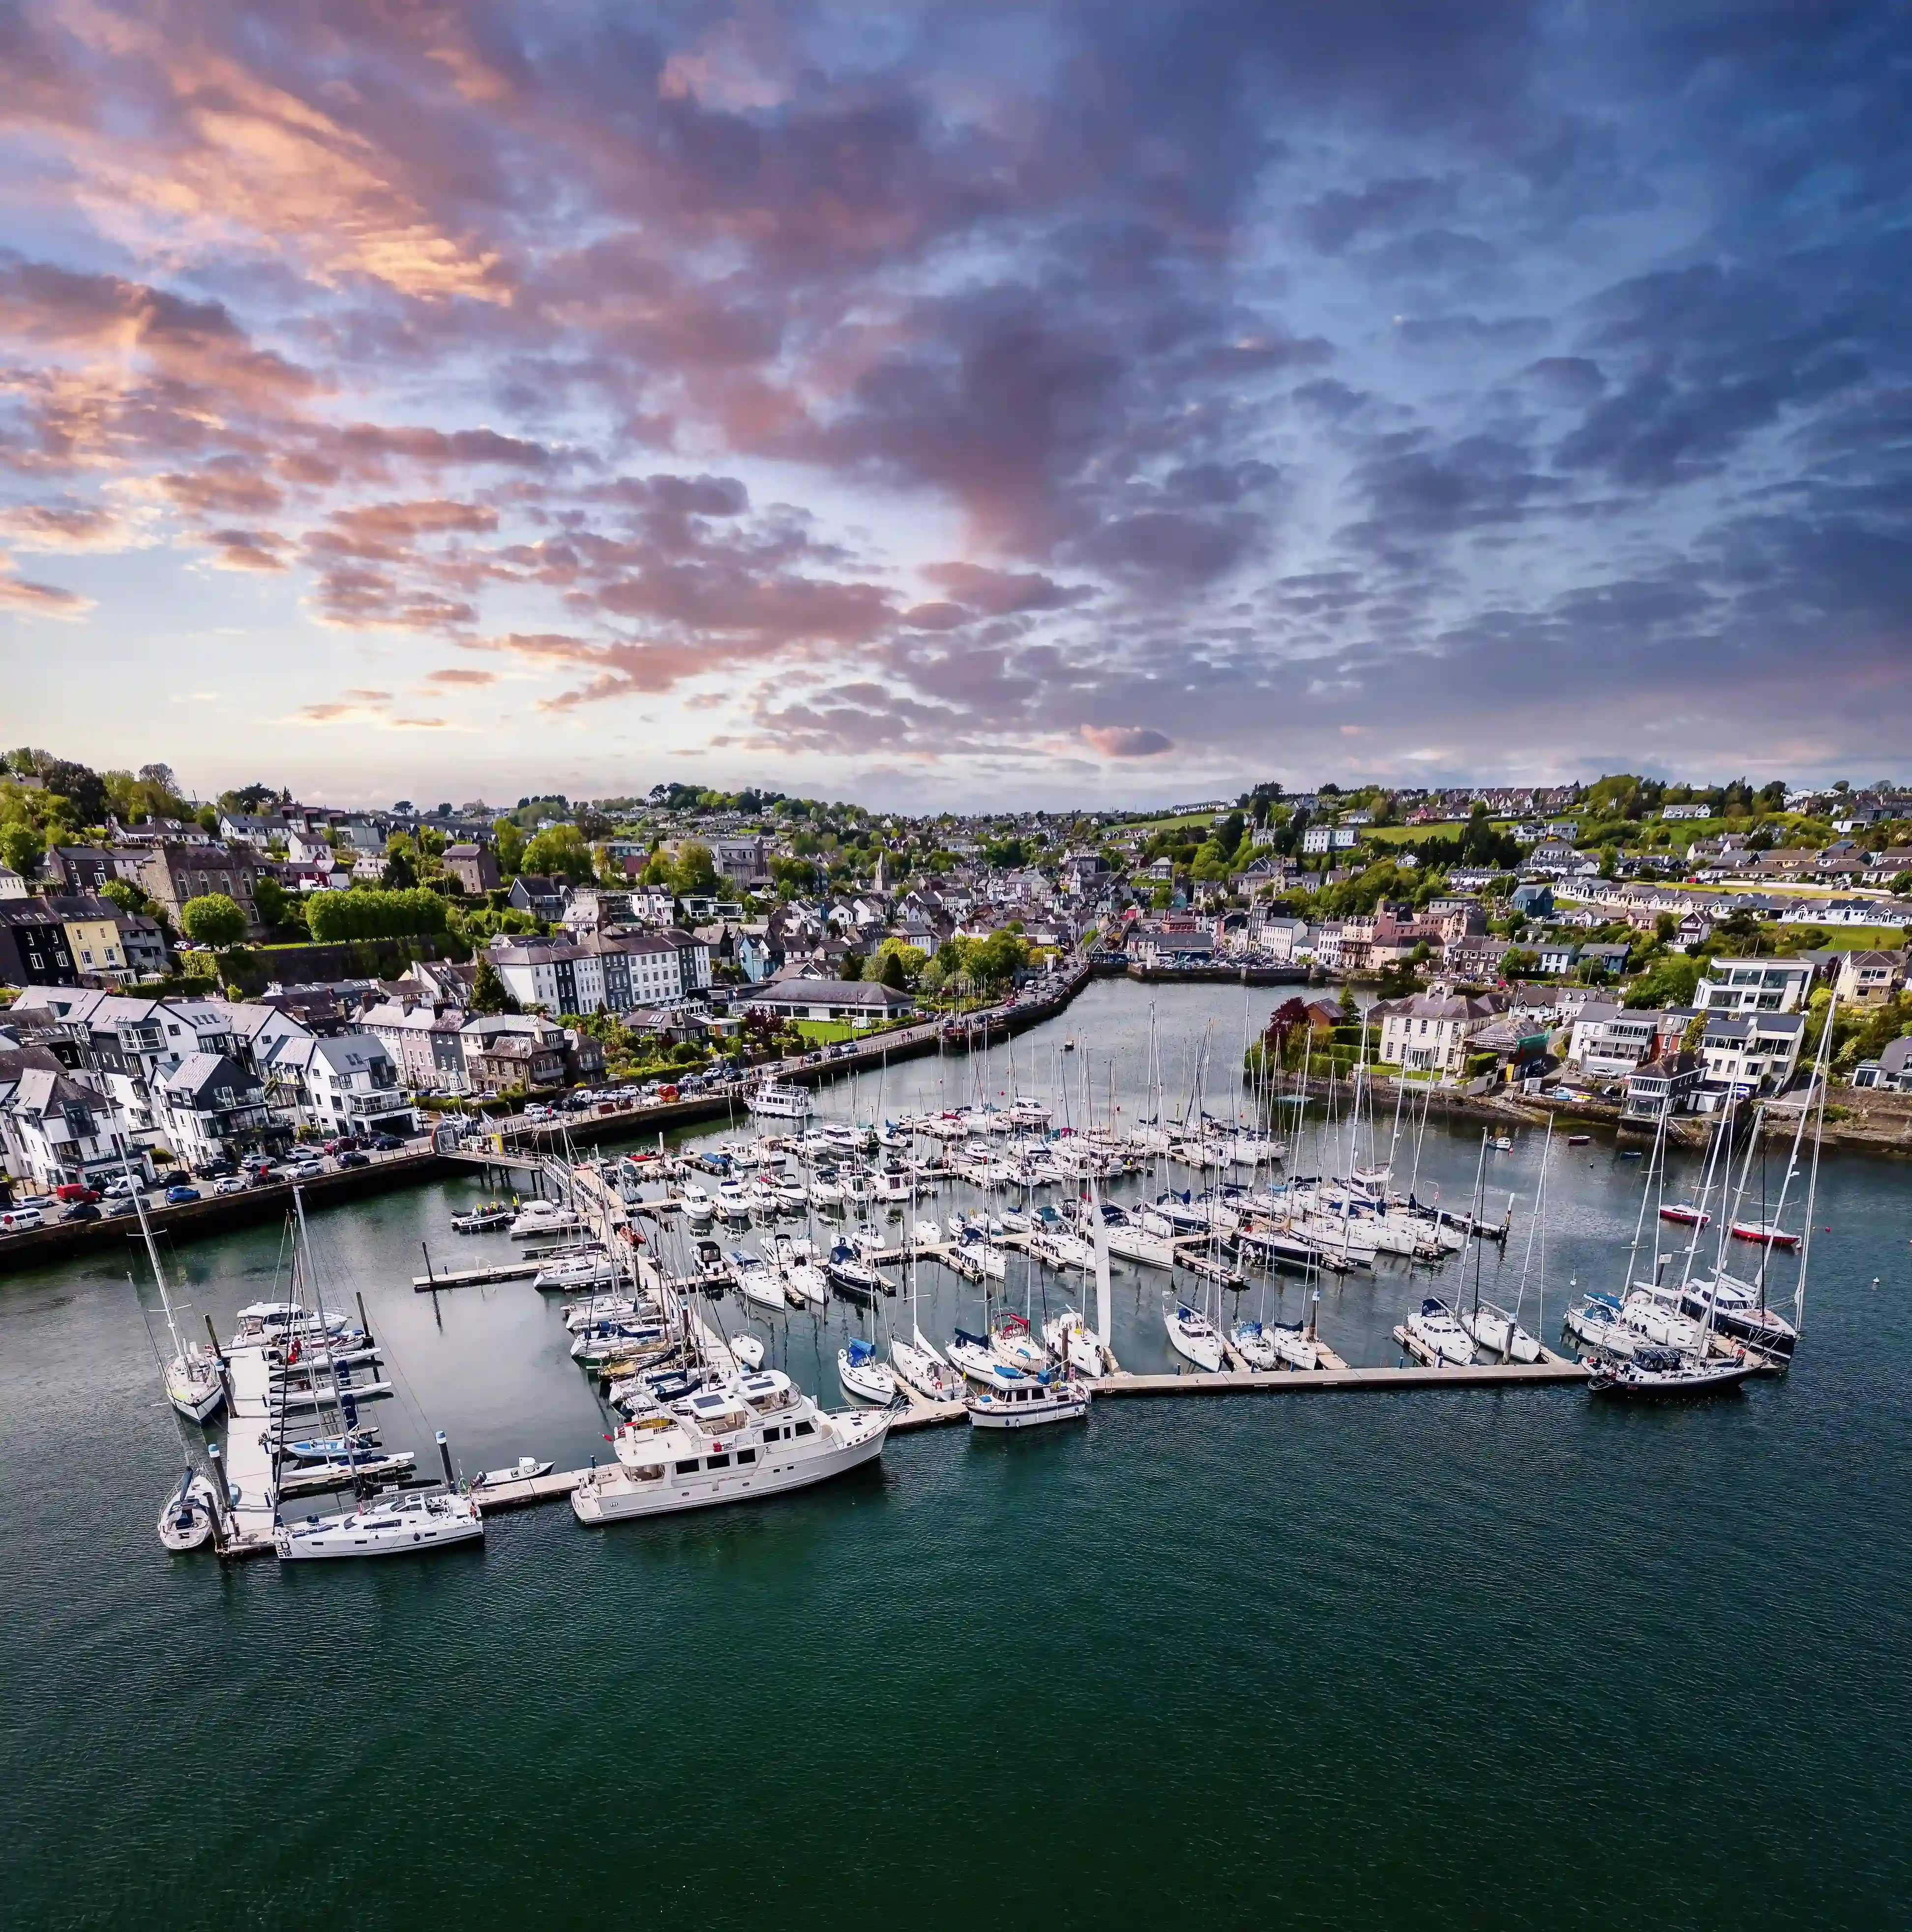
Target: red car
75	1190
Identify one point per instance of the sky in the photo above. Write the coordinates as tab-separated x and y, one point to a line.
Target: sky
955	405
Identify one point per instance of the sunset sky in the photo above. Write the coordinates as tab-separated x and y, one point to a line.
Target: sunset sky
955	404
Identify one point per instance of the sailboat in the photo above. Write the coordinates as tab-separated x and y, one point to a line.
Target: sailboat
195	1380
187	1521
917	1361
1192	1334
1497	1328
862	1375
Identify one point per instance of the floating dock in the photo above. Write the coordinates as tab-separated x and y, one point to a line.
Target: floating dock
252	1426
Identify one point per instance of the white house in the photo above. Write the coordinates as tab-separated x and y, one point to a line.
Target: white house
1747	1053
1755	985
1430	1034
345	1085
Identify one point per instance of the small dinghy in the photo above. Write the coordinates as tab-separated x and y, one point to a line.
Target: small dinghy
525	1469
186	1522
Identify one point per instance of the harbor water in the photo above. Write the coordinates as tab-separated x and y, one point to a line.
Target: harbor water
1459	1658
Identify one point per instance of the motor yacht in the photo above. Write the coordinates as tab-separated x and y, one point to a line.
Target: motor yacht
761	1436
1028	1404
776	1102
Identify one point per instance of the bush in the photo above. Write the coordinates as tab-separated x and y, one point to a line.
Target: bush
213	919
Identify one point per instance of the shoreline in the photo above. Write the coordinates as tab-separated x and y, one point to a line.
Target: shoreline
1868	1124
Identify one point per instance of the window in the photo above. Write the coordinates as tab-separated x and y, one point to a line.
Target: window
689	1468
806	1429
746	1456
717	1461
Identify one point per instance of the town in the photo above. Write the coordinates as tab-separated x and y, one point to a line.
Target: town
198	989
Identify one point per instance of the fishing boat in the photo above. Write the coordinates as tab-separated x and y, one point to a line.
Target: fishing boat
1191	1334
186	1522
1441	1339
400	1525
759	1437
525	1469
861	1374
1029	1404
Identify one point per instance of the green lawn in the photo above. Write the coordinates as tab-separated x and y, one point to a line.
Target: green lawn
827	1033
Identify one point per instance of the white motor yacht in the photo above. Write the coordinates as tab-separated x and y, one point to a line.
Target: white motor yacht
778	1103
1192	1334
698	1206
387	1526
571	1274
1029	1404
538	1218
759	1437
733	1200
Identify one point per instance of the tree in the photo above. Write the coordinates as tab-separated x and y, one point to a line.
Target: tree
560	848
510	838
400	874
1670	983
490	993
376	914
213	919
23	847
129	899
270	898
892	973
694	872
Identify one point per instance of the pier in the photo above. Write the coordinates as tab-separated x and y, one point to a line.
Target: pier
252	1426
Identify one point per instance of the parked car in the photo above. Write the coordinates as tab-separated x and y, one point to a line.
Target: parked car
119	1188
124	1204
80	1210
16	1220
538	1110
72	1191
229	1183
386	1143
179	1193
213	1170
351	1157
304	1168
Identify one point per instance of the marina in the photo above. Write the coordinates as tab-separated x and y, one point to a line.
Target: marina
490	1363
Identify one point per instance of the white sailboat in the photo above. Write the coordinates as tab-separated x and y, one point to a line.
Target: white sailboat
193	1375
1190	1333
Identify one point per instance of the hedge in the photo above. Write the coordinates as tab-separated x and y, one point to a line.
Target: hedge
375	915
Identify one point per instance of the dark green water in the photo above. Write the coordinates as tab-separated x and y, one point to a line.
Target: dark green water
1456	1659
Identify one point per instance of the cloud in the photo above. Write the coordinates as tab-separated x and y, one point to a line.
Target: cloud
31	599
1127	741
454	676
